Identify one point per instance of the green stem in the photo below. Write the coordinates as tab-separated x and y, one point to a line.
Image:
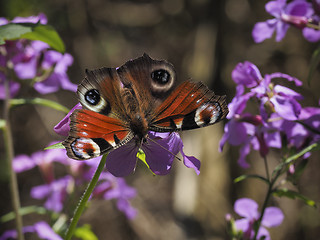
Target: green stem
83	201
14	190
266	166
39	101
265	204
23	211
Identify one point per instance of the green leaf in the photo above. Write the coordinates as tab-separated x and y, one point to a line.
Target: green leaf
291	159
84	232
32	31
142	156
13	31
55	146
315	59
284	192
246	176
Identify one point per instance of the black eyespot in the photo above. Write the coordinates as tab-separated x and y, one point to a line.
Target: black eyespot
161	76
92	97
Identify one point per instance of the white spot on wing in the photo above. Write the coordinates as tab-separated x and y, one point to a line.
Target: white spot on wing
213	109
79	148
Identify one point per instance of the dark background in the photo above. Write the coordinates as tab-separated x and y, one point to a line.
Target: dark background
204	40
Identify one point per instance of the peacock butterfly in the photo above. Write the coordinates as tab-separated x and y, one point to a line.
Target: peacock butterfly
125	103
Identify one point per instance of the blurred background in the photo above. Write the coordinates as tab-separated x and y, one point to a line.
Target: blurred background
204	40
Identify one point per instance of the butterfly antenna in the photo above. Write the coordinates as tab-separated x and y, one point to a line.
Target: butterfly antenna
164	149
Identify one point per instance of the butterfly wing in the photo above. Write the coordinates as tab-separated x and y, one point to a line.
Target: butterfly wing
93	134
191	105
103	124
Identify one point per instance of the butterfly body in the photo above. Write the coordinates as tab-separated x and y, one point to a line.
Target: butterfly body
125	103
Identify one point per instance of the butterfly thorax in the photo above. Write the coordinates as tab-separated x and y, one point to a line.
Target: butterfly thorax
139	127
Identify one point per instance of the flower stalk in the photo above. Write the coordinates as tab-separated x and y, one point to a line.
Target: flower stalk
84	199
13	185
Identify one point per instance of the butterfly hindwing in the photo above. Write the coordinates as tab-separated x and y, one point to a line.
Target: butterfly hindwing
93	134
191	105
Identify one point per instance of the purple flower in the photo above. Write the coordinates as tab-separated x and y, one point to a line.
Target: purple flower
295	13
58	78
248	209
246	74
111	187
54	193
35	61
300	136
277	105
42	229
42	159
160	150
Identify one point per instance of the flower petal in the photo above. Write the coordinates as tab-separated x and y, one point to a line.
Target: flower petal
124	206
161	154
244	151
311	35
44	231
246	207
23	163
286	107
122	161
263	234
242	225
263	30
281	29
247	74
274	8
272	217
63	128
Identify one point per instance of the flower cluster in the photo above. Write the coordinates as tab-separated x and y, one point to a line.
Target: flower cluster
298	13
33	62
160	150
248	209
280	114
55	191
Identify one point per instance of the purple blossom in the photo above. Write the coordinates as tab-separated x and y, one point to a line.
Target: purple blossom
279	107
55	193
296	13
246	74
248	209
58	78
33	60
42	159
160	150
42	229
111	187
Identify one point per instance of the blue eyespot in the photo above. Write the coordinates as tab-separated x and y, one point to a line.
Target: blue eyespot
92	96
